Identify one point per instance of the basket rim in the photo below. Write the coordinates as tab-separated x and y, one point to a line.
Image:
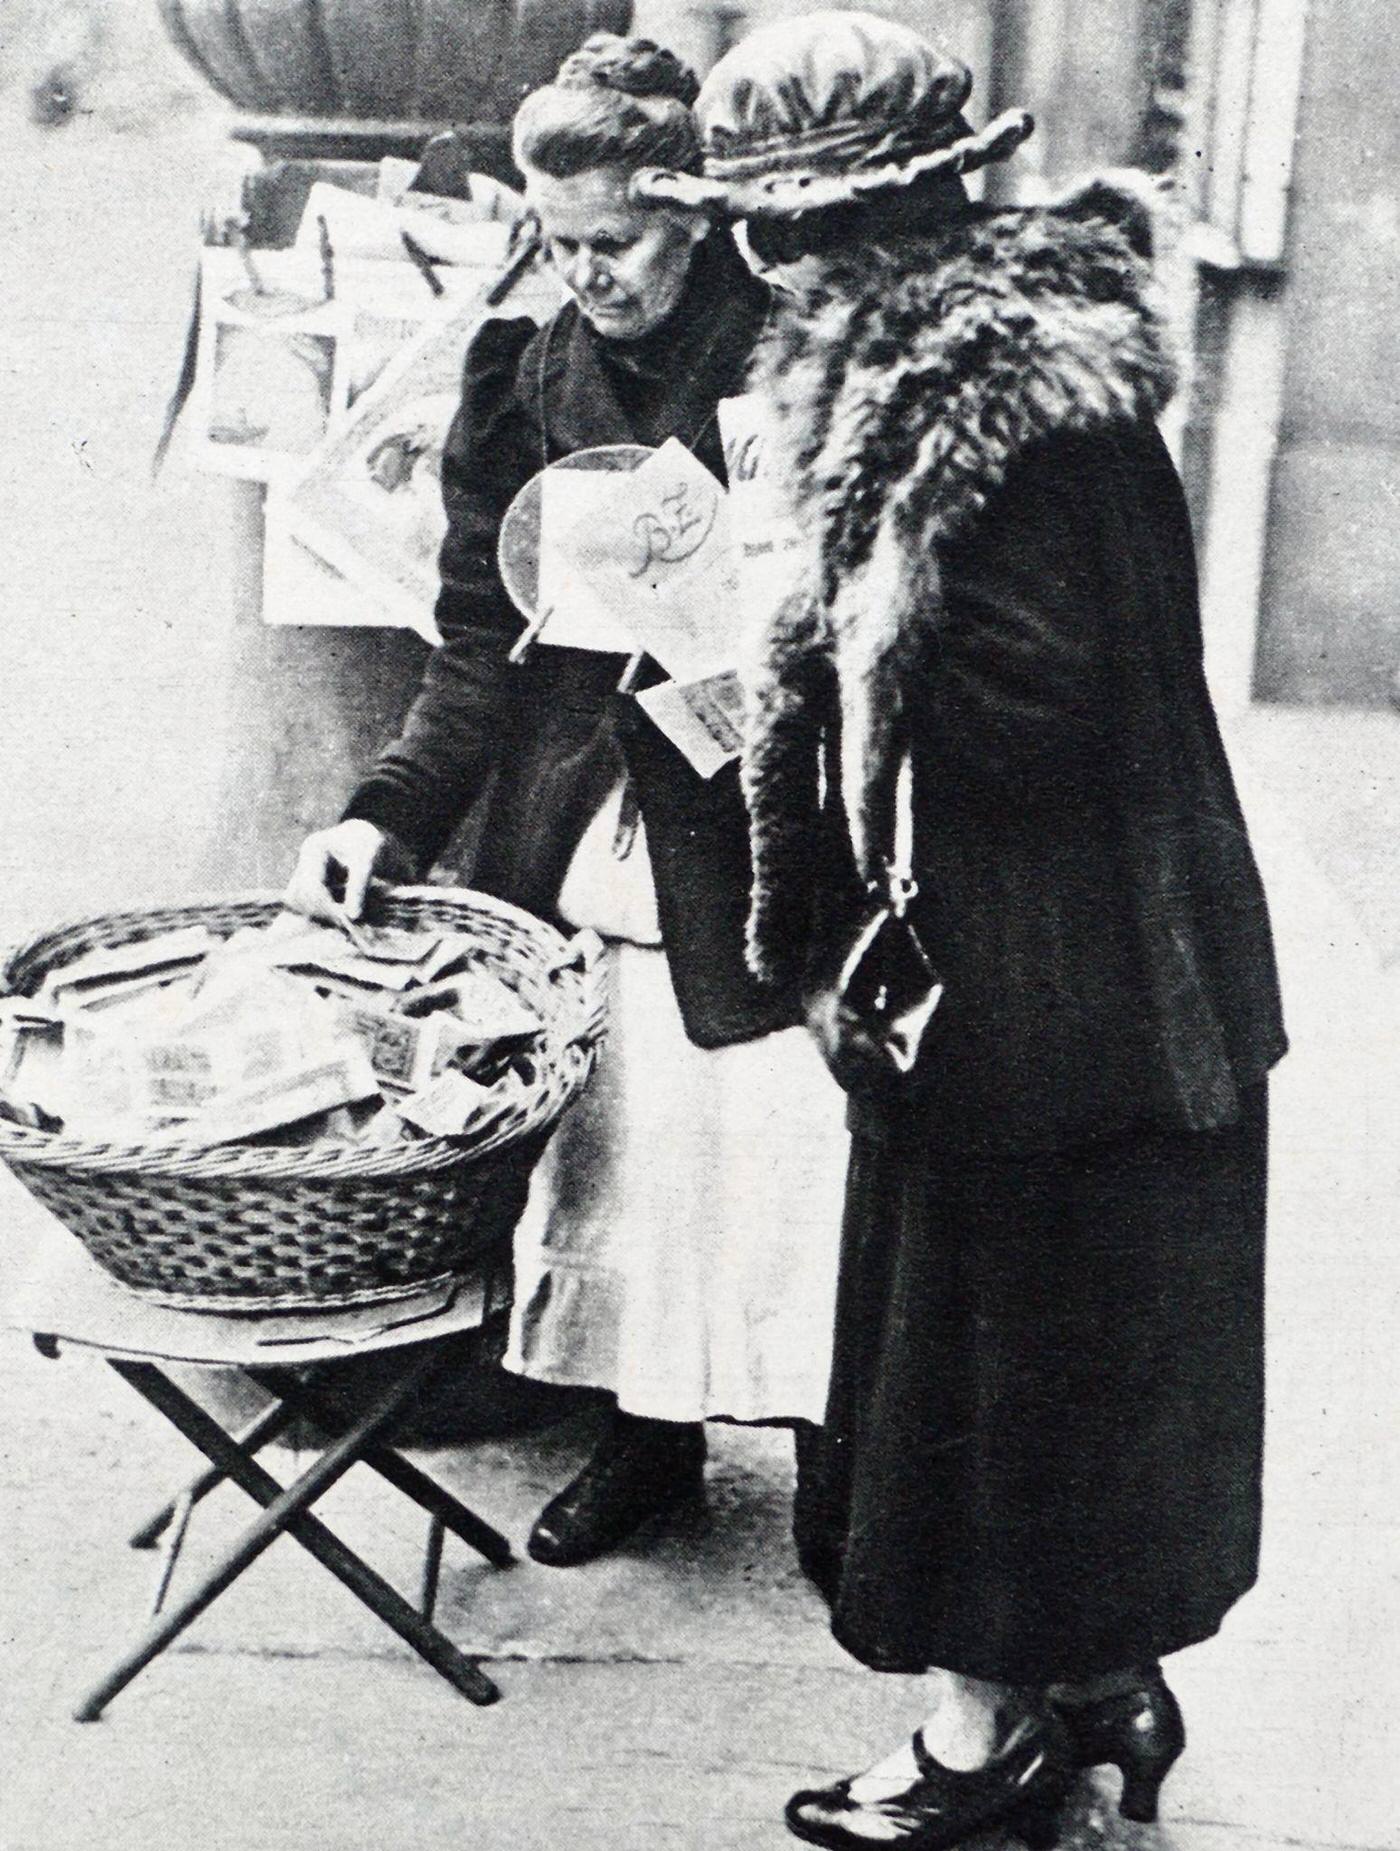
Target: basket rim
22	1146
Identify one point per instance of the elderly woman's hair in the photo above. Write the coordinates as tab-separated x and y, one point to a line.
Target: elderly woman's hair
615	103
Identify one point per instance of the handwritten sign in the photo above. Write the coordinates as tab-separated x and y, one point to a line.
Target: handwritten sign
659	559
645	559
676	527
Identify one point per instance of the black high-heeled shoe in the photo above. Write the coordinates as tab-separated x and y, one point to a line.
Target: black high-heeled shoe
1138	1731
1022	1790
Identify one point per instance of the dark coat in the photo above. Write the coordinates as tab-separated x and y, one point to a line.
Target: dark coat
1003	577
546	740
1086	883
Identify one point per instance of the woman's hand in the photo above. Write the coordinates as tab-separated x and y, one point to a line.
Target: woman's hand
335	867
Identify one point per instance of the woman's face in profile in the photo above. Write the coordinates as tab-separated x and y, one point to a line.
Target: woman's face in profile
625	265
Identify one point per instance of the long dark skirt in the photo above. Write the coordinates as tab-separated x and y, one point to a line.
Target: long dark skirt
1043	1442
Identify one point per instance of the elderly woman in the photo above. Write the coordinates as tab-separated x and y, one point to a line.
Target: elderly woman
680	1245
1041	1460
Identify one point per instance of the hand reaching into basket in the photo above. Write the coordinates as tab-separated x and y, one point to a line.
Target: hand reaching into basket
335	867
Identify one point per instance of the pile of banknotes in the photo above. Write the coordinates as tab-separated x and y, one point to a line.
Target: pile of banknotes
287	1034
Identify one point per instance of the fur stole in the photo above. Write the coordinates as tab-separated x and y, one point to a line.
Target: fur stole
904	385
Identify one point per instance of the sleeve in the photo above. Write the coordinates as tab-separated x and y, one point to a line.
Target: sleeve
1012	687
423	784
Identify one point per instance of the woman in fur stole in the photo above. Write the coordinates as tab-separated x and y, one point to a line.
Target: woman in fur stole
1041	1461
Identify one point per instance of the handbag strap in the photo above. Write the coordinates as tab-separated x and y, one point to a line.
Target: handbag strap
899	870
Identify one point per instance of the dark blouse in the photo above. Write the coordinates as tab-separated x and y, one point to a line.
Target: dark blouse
542	742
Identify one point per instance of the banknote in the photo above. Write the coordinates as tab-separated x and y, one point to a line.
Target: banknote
287	1098
487	1010
31	1046
107	970
704	720
363	973
394	1043
94	994
406	1051
381	1130
395	944
179	1077
447	1107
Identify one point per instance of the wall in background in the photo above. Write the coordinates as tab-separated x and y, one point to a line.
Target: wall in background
136	761
1329	629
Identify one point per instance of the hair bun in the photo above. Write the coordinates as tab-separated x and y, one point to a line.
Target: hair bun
635	67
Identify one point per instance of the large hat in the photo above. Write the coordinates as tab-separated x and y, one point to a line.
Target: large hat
828	108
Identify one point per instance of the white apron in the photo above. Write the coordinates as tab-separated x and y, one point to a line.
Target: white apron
680	1243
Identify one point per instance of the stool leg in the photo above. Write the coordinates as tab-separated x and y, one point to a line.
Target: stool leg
402	1475
440	1504
432	1567
271	1422
173	1543
284	1511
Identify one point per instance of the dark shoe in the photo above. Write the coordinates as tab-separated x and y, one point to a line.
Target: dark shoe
1022	1790
1139	1731
640	1469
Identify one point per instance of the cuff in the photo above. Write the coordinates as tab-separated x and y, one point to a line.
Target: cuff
409	851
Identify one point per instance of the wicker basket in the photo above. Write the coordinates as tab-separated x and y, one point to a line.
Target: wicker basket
261	1228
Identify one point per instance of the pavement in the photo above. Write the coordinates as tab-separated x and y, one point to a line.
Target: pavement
674	1693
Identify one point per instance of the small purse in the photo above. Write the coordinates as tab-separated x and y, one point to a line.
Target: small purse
870	1018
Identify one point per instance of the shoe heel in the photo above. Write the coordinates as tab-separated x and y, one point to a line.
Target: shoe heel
1138	1800
1142	1782
1037	1824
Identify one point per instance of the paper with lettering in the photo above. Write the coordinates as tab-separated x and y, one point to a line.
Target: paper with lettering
657	555
704	720
766	538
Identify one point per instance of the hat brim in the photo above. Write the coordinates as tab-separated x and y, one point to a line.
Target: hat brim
789	193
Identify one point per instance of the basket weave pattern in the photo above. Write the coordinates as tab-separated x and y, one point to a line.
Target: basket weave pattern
262	1227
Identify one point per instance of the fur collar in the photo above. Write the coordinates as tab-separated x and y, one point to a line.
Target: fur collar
904	386
907	383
